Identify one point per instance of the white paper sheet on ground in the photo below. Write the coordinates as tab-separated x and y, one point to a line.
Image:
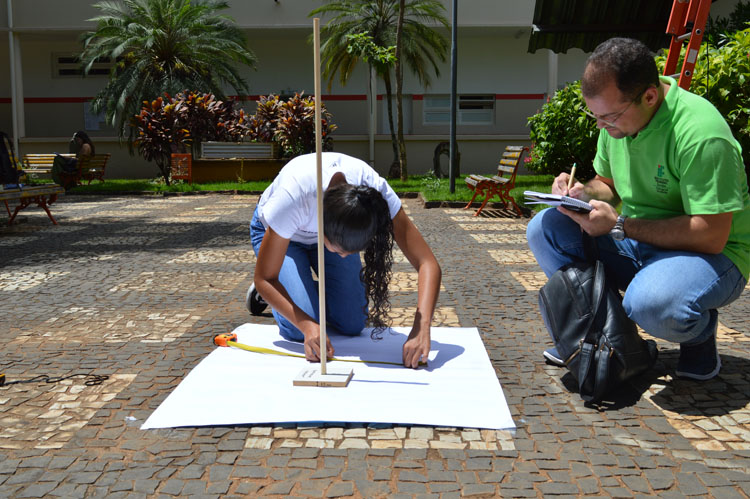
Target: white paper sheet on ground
458	388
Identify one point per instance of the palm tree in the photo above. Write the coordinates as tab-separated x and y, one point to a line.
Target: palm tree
400	88
423	47
163	46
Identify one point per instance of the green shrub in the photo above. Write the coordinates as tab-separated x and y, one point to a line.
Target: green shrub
562	134
722	75
720	28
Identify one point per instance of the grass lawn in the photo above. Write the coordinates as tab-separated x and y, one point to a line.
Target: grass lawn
432	189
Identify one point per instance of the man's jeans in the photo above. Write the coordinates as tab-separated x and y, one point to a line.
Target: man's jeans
345	294
673	295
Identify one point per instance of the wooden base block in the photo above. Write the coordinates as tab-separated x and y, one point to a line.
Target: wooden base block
311	376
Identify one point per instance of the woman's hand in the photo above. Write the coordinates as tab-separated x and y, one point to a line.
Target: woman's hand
416	348
312	344
267	267
429	275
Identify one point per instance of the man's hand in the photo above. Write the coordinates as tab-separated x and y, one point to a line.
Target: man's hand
598	221
312	345
416	348
560	186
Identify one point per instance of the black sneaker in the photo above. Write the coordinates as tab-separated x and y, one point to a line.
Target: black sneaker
700	362
254	302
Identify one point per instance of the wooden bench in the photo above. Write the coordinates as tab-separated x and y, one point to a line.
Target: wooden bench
37	165
501	184
88	168
42	195
92	167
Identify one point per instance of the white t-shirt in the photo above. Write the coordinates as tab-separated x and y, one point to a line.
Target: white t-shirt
289	205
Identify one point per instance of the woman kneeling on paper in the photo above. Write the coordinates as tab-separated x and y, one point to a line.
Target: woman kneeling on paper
360	213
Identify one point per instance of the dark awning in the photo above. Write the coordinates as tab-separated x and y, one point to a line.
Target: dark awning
560	25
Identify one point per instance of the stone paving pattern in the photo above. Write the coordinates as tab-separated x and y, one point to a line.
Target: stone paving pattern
135	288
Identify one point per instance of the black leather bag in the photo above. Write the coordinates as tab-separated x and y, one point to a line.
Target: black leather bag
598	342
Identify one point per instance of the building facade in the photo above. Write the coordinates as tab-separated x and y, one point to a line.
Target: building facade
44	99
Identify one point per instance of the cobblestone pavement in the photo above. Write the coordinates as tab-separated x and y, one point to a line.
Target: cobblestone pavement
134	289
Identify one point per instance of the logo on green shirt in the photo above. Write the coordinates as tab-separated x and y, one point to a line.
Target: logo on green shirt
662	184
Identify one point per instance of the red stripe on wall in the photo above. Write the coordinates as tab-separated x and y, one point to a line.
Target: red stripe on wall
345	97
55	100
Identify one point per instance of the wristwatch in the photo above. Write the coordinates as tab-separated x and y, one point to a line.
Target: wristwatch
618	231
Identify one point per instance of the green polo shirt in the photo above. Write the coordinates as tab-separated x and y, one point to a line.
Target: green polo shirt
684	162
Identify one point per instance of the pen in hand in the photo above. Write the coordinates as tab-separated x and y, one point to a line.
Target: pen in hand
571	179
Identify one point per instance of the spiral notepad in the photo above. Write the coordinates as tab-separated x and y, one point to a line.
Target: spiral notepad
533	197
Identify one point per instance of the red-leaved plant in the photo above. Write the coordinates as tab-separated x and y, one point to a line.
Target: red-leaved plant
169	125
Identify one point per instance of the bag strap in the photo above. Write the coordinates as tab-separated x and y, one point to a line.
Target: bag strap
590	344
602	355
602	371
598	296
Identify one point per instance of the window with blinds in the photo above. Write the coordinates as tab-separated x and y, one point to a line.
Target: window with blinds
472	109
68	65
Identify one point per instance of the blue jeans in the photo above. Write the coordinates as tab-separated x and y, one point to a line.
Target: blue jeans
673	295
346	310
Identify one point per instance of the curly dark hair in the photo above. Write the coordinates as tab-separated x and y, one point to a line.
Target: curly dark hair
80	134
356	218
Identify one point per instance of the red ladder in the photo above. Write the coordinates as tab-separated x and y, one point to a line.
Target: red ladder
686	23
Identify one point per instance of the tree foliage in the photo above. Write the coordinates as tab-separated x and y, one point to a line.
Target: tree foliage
295	126
719	29
362	45
171	124
722	75
168	124
263	123
563	134
209	118
159	128
423	47
163	46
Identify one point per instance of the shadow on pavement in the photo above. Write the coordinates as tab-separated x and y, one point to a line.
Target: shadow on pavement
722	395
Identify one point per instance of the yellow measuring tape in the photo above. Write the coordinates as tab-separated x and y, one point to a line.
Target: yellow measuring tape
229	340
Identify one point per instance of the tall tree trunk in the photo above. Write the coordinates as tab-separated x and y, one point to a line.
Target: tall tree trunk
395	170
400	89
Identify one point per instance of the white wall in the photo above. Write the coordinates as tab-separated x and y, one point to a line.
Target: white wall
570	67
492	59
62	14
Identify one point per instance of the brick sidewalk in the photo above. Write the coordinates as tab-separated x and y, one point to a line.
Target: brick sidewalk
135	288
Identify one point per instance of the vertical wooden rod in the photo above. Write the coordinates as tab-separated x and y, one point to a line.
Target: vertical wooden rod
319	166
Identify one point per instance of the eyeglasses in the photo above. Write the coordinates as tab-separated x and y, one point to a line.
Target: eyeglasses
616	116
